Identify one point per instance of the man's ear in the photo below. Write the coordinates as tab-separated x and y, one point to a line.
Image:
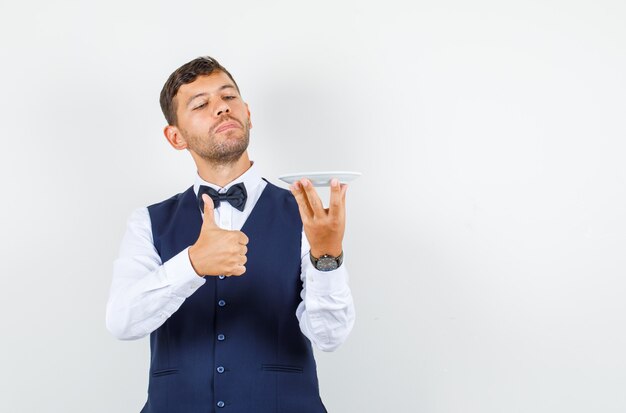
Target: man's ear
174	137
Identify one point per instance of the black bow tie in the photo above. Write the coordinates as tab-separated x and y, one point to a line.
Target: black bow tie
236	195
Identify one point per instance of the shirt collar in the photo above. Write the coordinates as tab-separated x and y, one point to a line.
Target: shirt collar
250	178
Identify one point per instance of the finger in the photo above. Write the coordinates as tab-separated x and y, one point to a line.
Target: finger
336	201
303	204
243	238
311	195
344	189
243	250
209	218
239	270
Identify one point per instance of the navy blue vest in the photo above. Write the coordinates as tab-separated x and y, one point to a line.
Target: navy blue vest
235	344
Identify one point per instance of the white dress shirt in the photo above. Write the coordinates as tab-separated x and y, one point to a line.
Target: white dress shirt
145	292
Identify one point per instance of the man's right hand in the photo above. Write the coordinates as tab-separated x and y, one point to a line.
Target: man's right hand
218	251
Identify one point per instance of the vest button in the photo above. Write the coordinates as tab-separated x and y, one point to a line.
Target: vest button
221	277
221	337
220	404
221	303
220	369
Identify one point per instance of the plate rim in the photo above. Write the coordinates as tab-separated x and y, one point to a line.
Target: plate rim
318	173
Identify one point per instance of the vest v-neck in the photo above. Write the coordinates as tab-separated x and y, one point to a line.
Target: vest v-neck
192	204
259	206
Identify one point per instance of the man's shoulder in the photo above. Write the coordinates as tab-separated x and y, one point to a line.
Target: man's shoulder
281	193
284	204
170	202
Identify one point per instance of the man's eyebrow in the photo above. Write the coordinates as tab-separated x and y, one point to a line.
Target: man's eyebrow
197	95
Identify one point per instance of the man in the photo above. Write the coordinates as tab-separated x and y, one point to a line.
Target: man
234	277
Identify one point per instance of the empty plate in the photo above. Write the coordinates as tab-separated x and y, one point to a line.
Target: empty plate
321	178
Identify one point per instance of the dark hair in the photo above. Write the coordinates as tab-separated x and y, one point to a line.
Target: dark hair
187	73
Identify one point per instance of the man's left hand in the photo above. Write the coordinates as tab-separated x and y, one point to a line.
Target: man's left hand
324	227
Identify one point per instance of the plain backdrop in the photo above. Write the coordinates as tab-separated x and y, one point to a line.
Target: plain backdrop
485	239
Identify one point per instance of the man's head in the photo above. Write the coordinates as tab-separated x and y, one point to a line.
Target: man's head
205	113
187	73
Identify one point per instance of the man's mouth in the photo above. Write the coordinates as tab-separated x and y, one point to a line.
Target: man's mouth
226	126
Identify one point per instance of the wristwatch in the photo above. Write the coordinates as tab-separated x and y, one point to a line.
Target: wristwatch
327	262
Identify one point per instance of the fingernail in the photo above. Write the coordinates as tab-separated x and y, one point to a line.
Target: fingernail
305	182
334	182
296	185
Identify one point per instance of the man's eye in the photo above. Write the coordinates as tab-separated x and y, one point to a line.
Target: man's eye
229	97
200	106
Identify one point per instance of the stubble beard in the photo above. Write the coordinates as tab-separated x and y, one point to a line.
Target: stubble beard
225	152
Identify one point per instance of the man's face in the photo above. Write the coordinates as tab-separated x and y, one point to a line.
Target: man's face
213	119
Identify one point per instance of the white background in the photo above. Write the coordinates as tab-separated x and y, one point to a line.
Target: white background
485	239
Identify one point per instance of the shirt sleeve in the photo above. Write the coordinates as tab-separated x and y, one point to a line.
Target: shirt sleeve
326	312
145	292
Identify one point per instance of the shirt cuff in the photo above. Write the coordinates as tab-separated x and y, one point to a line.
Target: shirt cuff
182	277
326	282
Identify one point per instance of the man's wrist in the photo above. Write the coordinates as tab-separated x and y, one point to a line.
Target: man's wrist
190	253
335	251
326	262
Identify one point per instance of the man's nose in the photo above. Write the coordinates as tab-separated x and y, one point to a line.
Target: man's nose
221	108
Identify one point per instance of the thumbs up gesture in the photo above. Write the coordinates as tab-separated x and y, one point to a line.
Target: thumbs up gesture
218	251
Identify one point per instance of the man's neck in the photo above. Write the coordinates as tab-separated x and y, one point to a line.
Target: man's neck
223	174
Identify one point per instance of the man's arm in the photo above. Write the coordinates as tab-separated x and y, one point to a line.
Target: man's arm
326	313
145	292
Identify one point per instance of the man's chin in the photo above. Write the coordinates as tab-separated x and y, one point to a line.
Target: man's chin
227	155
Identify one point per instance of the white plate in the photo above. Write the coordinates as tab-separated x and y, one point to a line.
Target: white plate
321	178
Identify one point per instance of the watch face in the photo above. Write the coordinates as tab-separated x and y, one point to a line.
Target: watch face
326	264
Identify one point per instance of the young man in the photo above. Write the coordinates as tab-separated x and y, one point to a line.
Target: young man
234	277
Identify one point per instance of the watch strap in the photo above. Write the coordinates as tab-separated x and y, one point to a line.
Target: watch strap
338	259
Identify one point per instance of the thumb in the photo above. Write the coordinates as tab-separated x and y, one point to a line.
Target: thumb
209	218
